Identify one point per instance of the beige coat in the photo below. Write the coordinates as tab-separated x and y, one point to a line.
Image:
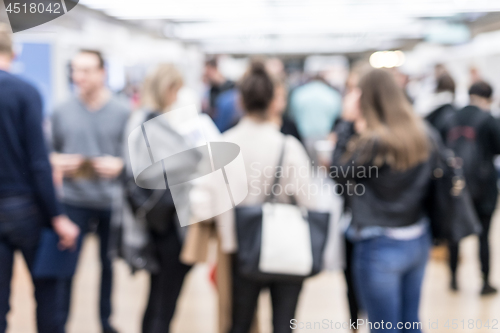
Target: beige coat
261	144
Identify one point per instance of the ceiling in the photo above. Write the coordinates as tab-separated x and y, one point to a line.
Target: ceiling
304	26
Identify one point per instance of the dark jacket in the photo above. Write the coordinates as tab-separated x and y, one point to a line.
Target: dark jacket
384	197
440	119
24	166
288	127
488	141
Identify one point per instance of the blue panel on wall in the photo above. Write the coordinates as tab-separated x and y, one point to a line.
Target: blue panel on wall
34	64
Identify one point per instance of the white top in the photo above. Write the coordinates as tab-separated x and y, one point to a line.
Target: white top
261	144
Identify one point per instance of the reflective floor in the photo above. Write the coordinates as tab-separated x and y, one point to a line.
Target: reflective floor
323	297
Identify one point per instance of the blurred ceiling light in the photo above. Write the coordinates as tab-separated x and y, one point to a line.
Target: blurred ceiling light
401	58
214	10
231	26
387	59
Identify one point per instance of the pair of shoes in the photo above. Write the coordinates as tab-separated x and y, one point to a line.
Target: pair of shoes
453	284
488	290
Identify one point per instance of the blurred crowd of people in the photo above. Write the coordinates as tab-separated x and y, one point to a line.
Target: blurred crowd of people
73	187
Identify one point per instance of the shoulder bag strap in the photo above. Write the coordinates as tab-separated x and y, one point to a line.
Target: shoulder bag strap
271	197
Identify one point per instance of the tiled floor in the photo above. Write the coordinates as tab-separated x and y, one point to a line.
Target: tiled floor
323	297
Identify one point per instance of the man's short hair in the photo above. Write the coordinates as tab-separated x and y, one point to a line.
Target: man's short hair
445	83
211	62
482	89
5	40
98	54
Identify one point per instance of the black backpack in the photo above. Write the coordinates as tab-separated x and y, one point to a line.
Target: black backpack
463	139
448	203
157	205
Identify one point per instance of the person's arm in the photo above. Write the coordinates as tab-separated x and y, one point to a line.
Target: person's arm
41	171
291	128
56	137
336	108
352	123
108	166
39	164
297	175
344	132
494	134
112	167
63	164
292	107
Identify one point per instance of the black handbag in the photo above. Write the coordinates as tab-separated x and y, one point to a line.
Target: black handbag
449	204
249	228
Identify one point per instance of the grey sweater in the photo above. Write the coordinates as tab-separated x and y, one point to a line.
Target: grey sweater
76	130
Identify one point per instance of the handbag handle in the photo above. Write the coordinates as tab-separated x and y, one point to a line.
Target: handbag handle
272	197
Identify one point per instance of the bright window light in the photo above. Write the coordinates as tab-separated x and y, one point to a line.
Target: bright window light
387	59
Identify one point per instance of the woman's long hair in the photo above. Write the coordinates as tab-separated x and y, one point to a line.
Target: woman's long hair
395	135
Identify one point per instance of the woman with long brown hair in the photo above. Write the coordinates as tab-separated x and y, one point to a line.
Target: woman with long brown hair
384	150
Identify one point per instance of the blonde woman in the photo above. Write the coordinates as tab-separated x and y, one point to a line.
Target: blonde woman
161	255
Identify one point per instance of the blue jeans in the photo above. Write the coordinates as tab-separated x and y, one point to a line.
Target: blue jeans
388	275
20	228
84	218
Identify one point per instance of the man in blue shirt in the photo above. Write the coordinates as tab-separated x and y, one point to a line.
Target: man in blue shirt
314	107
27	197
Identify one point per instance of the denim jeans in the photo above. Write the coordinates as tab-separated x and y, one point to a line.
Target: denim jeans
20	228
84	218
388	275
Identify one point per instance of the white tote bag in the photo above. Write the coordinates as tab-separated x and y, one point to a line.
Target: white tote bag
286	241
